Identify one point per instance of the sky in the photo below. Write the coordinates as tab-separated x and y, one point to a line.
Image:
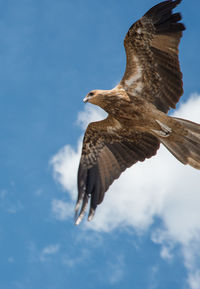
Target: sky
146	234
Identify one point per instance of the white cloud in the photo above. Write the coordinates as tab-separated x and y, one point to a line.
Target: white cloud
153	277
90	114
8	203
191	255
115	270
81	257
190	109
65	164
14	208
160	187
165	253
194	280
62	210
42	255
49	251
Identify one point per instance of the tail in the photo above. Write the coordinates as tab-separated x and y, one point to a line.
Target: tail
184	142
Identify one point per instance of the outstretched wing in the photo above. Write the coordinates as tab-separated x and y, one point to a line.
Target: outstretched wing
152	68
107	151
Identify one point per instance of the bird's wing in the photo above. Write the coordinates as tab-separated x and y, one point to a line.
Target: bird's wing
152	67
107	151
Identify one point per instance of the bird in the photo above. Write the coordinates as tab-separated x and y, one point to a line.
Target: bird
137	121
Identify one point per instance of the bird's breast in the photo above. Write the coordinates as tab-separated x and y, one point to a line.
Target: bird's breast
136	113
125	110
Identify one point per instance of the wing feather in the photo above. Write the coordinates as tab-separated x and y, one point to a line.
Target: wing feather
104	157
152	66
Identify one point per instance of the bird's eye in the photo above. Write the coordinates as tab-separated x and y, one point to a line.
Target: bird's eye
91	94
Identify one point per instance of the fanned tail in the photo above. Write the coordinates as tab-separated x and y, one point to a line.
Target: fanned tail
184	142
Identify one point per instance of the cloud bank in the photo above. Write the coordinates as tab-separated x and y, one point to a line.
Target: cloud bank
160	187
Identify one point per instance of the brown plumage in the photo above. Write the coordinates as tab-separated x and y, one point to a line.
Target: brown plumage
137	122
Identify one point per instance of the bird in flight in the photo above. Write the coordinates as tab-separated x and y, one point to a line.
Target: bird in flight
137	107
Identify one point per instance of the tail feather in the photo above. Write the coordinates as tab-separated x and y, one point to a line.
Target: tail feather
184	143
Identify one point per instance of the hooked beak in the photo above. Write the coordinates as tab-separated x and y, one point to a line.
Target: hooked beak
86	99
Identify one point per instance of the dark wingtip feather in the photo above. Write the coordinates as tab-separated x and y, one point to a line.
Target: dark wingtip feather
89	185
91	214
162	11
165	5
155	9
163	18
82	196
82	211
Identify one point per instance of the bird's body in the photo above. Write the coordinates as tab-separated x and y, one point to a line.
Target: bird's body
137	121
128	113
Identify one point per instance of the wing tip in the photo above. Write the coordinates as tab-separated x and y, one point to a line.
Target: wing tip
79	216
163	18
91	214
162	8
78	221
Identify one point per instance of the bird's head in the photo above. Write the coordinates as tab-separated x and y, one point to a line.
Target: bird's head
95	97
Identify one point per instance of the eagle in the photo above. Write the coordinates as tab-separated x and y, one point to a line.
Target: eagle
137	107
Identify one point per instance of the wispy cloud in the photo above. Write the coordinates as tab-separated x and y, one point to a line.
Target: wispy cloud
72	261
90	114
9	203
153	278
194	279
160	187
45	254
63	167
14	208
116	270
62	210
49	251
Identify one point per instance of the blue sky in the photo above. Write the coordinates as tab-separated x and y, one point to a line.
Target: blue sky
52	53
